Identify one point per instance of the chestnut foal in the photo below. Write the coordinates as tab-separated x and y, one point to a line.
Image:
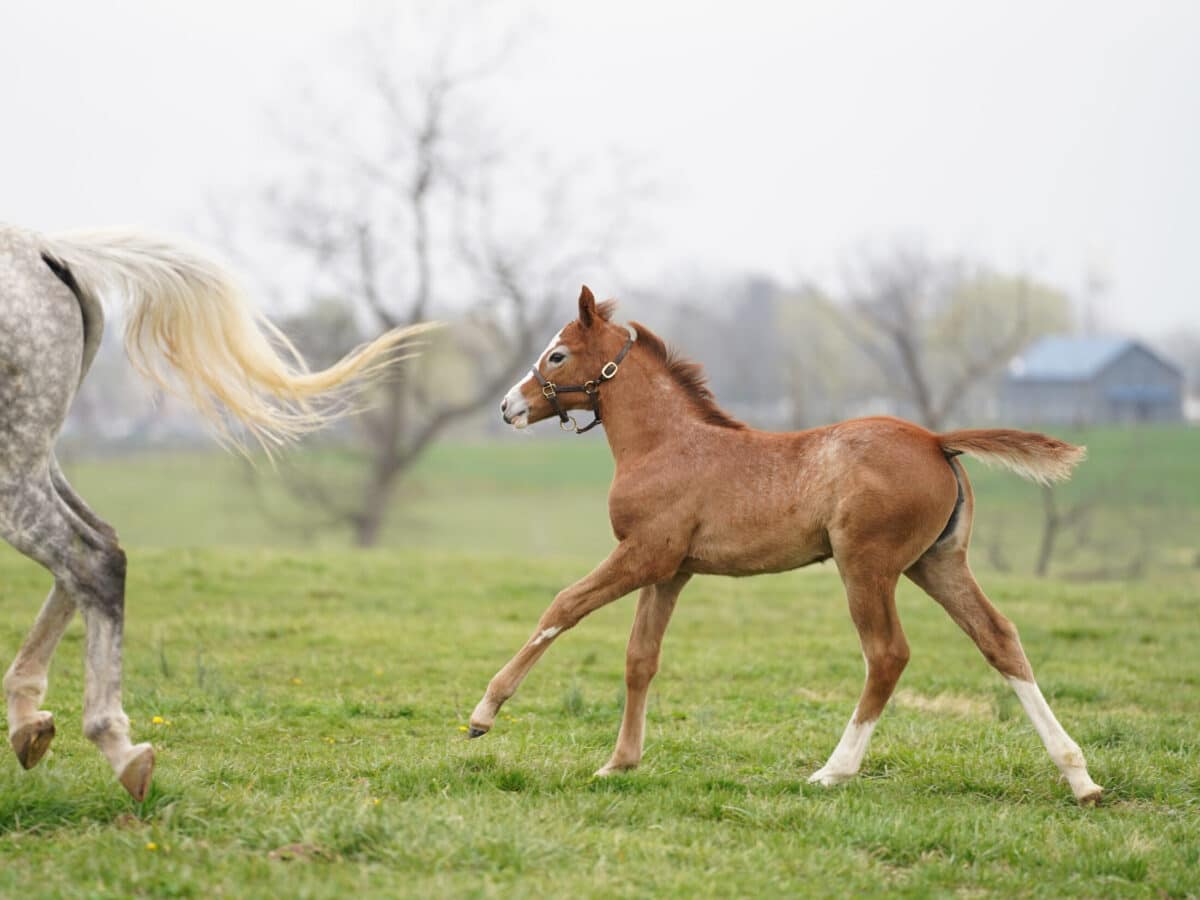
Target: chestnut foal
696	492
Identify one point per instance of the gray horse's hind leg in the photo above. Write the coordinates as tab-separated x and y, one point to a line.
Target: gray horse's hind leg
48	333
63	488
30	728
89	568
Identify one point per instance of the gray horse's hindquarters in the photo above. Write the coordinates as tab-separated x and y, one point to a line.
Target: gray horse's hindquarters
41	352
42	361
190	329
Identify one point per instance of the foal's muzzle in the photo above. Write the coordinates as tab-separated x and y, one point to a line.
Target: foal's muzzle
514	408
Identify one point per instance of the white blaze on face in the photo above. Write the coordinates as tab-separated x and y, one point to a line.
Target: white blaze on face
516	407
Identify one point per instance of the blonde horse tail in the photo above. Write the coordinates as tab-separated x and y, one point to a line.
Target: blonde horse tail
1036	457
190	330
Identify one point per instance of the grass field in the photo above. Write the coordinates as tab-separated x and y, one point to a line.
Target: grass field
315	701
307	702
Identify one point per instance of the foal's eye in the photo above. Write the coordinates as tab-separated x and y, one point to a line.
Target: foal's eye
556	358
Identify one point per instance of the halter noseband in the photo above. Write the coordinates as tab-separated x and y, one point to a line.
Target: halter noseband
550	391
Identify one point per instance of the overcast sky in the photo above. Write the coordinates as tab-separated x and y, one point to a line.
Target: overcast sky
1059	138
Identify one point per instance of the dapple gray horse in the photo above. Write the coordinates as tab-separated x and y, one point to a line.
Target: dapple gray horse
187	328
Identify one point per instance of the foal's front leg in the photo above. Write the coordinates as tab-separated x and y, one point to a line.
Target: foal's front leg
631	565
655	605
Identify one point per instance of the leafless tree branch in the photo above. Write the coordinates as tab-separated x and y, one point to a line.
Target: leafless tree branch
414	227
893	305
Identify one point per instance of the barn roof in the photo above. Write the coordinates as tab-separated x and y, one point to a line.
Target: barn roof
1067	358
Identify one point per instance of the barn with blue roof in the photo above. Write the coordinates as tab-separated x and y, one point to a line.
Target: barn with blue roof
1091	380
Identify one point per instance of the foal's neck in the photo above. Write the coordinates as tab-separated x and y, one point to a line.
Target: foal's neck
643	409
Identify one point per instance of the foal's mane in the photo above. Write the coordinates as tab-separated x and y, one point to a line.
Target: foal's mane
688	375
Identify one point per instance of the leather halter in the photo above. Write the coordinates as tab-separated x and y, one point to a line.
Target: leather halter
550	391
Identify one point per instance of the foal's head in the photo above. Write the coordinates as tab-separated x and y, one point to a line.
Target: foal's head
575	356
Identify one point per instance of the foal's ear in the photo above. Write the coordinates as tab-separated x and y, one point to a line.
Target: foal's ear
587	307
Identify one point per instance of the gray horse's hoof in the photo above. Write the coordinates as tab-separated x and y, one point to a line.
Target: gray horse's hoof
31	741
136	775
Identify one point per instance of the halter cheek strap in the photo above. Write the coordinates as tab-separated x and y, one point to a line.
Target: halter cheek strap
550	391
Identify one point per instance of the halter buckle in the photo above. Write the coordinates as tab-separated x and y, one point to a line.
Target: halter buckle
591	387
549	391
609	371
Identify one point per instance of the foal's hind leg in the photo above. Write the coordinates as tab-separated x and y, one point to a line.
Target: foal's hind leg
872	598
656	602
89	567
947	578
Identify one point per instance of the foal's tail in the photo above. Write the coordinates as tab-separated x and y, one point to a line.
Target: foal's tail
1037	457
186	311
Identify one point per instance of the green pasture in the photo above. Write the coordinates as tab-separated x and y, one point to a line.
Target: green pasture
308	702
311	709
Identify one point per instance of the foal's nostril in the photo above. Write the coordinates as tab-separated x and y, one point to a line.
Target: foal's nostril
504	405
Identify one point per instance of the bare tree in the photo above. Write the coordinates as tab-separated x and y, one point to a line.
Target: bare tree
727	321
1056	520
826	374
421	214
937	328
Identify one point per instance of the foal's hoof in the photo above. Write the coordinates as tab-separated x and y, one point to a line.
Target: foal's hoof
32	740
1086	791
474	732
828	778
613	769
1091	798
136	775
